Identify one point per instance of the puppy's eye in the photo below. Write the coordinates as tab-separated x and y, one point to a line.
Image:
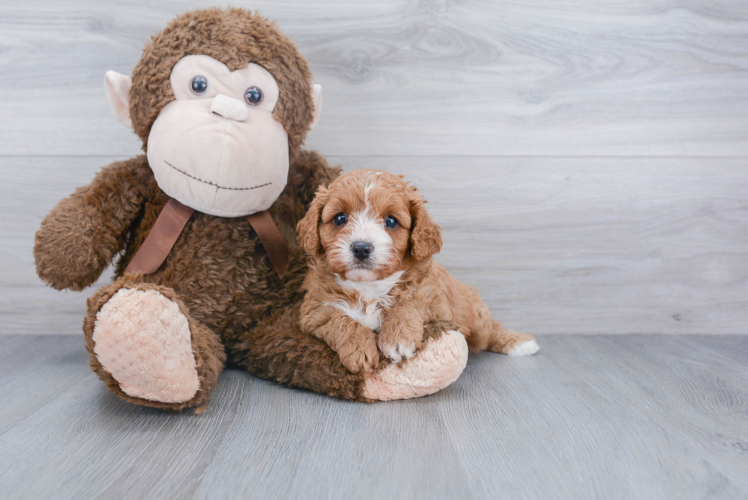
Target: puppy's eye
340	219
390	222
253	96
199	85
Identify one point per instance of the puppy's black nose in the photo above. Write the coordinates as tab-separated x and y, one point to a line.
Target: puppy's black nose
362	249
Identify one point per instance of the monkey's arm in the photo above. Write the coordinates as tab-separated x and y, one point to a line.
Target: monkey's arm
355	344
310	171
81	235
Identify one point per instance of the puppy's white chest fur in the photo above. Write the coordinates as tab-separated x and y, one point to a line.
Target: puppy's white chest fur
373	296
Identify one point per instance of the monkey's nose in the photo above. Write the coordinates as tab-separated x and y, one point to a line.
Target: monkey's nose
362	249
229	108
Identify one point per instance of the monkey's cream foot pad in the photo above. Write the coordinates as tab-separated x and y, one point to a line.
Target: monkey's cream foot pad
432	369
144	341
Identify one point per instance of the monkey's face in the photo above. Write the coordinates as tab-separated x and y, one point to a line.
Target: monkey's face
217	147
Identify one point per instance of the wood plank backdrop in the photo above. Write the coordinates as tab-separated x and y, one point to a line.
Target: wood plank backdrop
586	160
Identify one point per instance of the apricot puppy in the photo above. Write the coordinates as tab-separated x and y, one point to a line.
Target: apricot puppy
372	282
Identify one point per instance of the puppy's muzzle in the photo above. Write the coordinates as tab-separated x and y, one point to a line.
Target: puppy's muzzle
362	250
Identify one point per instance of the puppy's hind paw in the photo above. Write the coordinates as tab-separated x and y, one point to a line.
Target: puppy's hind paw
524	349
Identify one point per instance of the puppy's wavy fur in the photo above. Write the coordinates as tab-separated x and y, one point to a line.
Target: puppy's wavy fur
361	307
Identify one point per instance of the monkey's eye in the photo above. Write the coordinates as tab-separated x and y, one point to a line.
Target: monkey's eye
340	219
253	96
199	85
390	222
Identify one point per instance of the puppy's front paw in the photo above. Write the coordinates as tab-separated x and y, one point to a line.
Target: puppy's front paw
359	352
399	351
400	341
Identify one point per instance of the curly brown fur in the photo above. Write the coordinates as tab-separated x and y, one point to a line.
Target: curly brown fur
397	286
82	234
278	350
433	330
235	37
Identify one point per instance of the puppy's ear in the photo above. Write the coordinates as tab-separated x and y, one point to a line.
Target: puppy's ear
308	227
425	234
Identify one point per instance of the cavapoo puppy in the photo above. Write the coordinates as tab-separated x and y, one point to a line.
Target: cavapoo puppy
372	280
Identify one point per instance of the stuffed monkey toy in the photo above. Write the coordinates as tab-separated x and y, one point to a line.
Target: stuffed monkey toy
202	227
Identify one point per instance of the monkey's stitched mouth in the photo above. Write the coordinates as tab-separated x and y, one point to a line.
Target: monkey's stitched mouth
213	183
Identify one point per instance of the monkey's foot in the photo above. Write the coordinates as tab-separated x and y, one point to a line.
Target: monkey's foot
143	340
438	364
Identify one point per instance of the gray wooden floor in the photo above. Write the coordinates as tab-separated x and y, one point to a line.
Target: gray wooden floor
628	417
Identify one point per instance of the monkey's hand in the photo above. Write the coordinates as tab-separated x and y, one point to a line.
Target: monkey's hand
80	236
401	333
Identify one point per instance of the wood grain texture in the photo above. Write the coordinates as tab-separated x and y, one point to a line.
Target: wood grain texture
555	246
656	417
472	77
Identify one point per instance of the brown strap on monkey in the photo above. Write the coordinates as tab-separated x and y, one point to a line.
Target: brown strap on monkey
275	246
170	223
160	240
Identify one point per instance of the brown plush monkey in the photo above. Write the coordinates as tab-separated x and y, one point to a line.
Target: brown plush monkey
203	226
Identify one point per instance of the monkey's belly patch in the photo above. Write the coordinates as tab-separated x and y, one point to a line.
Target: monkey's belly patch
144	341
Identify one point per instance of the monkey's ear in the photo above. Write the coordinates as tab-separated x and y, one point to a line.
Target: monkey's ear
317	99
118	94
308	227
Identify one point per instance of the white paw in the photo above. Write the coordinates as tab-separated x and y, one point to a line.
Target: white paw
399	351
524	349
